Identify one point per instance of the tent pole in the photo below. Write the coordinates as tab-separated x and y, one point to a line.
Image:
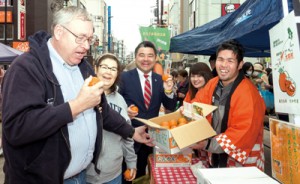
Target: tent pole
285	7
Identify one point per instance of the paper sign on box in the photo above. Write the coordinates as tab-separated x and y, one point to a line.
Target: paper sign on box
163	159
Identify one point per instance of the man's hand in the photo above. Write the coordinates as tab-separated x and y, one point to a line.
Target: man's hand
168	85
200	145
88	97
140	135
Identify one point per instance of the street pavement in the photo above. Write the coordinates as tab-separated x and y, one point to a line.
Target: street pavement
268	170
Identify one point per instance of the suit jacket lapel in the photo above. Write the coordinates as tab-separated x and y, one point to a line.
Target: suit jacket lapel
155	88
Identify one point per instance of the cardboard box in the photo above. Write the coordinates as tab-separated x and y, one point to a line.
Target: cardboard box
175	140
163	159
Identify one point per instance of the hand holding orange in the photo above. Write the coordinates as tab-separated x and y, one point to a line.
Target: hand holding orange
134	108
94	81
127	174
165	77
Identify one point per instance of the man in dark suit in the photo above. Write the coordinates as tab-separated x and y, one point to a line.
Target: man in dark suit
132	88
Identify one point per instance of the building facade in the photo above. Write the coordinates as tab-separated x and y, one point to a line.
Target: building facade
24	18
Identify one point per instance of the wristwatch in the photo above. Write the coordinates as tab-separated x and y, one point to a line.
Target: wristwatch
131	133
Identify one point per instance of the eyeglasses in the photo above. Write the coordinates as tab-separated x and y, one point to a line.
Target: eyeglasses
81	39
112	69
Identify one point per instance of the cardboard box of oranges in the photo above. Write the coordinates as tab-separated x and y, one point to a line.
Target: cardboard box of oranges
181	159
174	132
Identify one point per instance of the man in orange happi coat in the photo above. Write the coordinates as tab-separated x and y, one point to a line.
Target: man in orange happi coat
239	118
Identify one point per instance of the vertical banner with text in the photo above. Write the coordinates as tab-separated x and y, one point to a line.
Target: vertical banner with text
22	20
161	39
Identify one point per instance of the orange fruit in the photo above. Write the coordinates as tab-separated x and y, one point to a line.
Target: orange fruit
134	108
94	81
182	120
127	174
172	122
165	77
165	124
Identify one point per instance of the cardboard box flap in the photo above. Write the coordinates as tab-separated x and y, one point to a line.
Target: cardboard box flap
206	109
148	122
195	132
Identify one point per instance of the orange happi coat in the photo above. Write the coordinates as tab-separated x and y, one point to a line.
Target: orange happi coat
188	97
243	138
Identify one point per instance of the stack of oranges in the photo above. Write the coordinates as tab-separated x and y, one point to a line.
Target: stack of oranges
173	123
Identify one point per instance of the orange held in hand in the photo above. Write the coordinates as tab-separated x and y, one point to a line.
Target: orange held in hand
134	108
127	175
94	81
165	77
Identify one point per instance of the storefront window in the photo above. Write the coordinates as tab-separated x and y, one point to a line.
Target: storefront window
9	31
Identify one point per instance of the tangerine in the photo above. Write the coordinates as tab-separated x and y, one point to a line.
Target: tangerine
165	124
127	174
94	81
172	122
165	77
182	120
134	108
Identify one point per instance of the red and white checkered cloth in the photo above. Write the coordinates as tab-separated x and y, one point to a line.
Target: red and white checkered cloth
173	175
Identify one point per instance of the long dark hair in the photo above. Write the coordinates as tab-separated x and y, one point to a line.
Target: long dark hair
246	66
199	69
98	62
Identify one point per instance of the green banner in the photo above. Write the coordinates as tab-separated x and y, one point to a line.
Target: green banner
159	36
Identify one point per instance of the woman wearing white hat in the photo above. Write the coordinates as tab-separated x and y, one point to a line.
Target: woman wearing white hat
259	76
